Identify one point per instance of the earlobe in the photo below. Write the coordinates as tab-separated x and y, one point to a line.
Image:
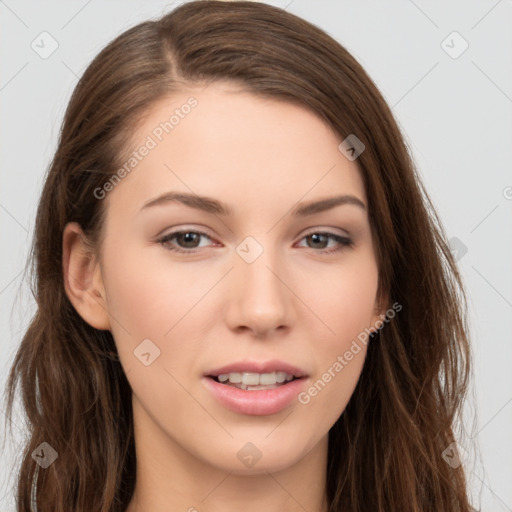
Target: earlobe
83	281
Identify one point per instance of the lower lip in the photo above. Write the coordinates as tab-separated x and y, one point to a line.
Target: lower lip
258	402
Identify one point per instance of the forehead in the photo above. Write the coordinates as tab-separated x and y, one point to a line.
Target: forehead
224	142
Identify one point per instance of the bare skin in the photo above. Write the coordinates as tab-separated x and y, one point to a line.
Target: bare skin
208	307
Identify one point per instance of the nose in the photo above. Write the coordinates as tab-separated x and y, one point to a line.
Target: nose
259	299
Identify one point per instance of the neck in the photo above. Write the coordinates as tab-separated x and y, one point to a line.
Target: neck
169	477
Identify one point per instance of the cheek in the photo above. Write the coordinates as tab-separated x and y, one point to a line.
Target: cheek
353	301
148	295
153	298
344	298
329	392
346	305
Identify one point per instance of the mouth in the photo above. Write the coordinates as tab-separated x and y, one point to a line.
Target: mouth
256	376
256	388
252	381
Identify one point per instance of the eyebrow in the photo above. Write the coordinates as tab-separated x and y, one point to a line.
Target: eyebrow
210	205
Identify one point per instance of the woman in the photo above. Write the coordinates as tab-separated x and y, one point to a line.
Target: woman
194	348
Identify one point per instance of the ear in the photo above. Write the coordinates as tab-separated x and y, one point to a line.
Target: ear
83	281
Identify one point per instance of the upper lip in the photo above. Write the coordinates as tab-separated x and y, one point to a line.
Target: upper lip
258	367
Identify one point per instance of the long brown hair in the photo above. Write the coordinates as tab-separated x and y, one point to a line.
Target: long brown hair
386	449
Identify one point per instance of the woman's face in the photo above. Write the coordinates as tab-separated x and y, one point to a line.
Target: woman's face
252	286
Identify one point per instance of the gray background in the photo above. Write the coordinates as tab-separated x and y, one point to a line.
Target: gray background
456	114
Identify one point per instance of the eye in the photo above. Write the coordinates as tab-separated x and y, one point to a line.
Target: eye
189	238
321	237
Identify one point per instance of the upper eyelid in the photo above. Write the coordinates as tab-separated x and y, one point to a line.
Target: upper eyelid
186	230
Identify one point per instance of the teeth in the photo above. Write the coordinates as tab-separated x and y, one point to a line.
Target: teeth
255	379
257	388
235	378
252	388
250	379
280	377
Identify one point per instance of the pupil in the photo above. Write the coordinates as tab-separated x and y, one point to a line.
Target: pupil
187	237
316	236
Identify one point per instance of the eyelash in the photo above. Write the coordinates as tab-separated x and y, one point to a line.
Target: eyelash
344	242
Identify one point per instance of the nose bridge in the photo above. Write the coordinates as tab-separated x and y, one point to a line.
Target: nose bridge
261	299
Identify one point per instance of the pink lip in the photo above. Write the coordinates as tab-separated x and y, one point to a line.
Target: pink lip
257	403
258	367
